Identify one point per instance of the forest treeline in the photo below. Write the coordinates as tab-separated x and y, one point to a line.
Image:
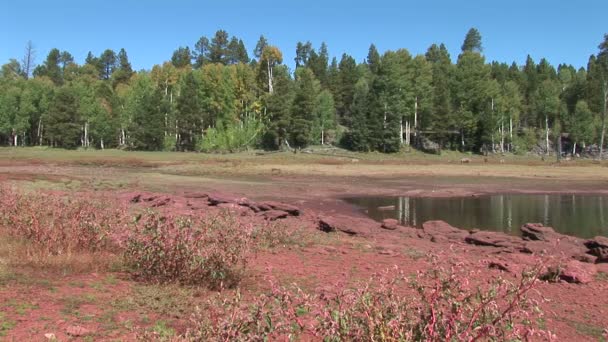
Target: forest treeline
216	97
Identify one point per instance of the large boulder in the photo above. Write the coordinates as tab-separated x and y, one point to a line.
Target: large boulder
538	232
272	205
573	271
216	199
273	215
495	239
346	224
598	247
440	231
390	224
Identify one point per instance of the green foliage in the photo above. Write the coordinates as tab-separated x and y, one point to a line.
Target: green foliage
472	41
467	105
64	121
232	137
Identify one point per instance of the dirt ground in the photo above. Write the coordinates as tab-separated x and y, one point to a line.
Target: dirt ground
111	306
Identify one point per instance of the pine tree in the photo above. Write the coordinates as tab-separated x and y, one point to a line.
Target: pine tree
201	52
303	108
189	113
344	95
472	41
51	67
108	63
181	57
218	49
146	128
357	137
63	123
278	109
123	73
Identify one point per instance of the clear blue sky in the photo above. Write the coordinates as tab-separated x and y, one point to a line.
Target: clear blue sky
562	31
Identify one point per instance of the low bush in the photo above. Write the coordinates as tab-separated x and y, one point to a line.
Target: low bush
232	136
437	305
210	251
44	227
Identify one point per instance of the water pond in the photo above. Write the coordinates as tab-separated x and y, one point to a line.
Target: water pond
584	216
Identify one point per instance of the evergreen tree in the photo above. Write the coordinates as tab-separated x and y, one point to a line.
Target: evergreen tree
260	47
108	62
303	108
63	123
51	67
144	103
442	118
357	137
218	49
472	41
344	95
278	108
201	52
181	57
124	71
188	113
373	59
303	51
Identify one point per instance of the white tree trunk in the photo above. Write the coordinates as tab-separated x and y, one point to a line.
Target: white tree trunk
39	134
415	115
101	144
502	137
401	131
574	150
322	136
547	132
510	133
270	87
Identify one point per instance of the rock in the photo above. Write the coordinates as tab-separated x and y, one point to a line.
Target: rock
514	263
434	229
538	232
214	200
161	203
196	195
465	161
598	247
292	210
273	215
50	336
150	198
136	199
494	239
390	224
77	330
574	272
346	224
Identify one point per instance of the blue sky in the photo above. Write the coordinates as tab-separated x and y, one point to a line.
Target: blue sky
562	31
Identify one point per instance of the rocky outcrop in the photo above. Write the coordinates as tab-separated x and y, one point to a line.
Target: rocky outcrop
271	205
346	224
598	247
389	224
495	239
573	271
273	215
538	232
440	231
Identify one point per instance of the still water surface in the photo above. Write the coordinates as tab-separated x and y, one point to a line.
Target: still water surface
585	216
